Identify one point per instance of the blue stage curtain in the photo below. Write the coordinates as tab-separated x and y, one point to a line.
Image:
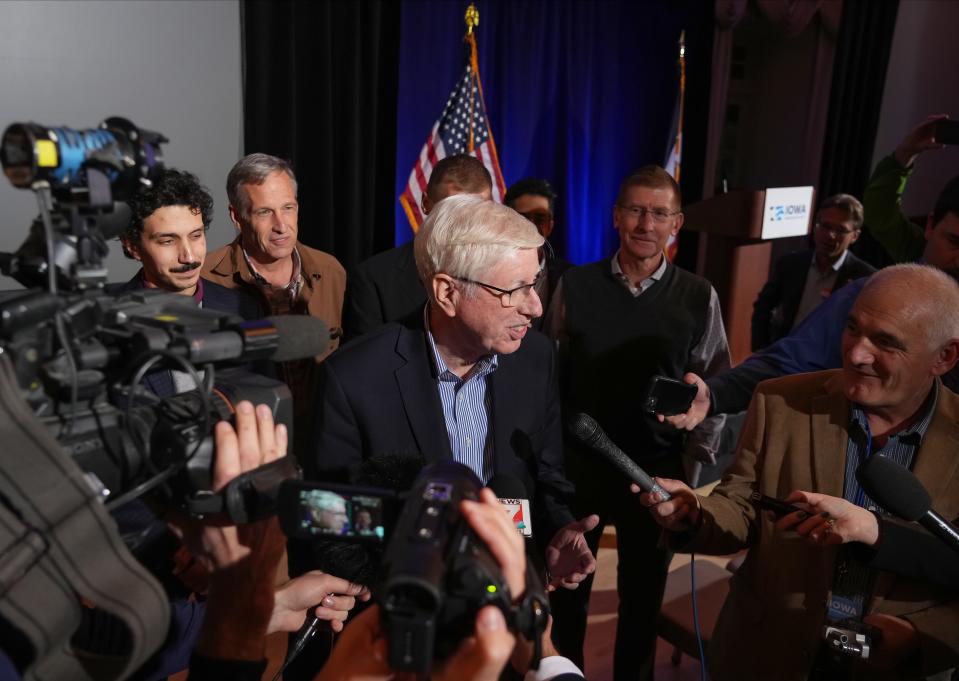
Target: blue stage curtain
577	92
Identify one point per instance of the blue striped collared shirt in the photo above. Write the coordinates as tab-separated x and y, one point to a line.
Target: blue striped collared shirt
467	405
900	447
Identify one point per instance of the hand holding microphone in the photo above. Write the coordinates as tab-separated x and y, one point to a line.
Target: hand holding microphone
673	504
585	429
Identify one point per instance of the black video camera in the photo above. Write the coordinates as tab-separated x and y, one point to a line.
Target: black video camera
436	573
79	355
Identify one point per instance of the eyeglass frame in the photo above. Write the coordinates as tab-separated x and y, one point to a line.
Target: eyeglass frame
640	212
500	292
841	234
542	218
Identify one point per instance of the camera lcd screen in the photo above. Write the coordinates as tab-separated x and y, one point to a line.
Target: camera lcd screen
324	513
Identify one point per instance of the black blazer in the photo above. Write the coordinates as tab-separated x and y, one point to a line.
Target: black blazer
382	289
378	396
215	297
776	306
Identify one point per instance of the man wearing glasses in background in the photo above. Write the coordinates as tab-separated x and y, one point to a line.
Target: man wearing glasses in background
535	200
617	323
798	282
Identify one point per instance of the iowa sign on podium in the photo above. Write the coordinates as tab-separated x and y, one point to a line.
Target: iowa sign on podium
735	245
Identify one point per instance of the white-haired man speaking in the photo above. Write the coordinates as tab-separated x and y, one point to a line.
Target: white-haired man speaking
464	378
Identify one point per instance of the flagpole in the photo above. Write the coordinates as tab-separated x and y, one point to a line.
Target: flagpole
682	96
674	157
472	21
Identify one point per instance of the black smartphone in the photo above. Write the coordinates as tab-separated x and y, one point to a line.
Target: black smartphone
946	132
667	396
331	511
777	506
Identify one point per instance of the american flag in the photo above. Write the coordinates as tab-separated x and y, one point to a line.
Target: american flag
463	127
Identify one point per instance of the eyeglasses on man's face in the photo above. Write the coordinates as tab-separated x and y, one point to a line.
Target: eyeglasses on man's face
658	215
508	297
835	230
540	218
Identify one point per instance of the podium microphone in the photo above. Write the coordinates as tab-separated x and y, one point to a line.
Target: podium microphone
898	490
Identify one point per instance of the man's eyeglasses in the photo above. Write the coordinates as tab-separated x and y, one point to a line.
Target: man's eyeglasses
508	297
659	215
834	230
538	218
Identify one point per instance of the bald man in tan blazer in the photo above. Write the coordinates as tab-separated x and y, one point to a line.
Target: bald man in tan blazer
796	437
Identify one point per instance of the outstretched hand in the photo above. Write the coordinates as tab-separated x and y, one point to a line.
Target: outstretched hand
240	558
568	557
294	600
919	139
677	514
827	520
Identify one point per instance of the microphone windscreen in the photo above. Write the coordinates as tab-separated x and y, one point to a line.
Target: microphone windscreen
508	487
299	336
584	428
894	487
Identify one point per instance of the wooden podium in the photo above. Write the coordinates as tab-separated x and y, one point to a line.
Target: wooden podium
736	231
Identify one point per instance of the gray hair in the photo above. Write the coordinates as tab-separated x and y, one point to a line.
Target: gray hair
465	235
934	295
253	169
848	204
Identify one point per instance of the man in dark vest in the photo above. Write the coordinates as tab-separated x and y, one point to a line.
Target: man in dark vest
617	323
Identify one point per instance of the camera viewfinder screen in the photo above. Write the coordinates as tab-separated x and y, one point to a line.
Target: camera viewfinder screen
328	514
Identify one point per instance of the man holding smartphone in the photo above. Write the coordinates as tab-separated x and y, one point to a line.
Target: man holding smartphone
812	432
619	322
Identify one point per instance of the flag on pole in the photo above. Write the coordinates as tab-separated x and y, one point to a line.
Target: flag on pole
463	127
674	153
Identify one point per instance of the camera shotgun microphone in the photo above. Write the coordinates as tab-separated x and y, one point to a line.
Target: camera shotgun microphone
585	429
279	339
899	491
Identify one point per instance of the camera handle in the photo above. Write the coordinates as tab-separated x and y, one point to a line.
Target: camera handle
530	616
249	497
41	189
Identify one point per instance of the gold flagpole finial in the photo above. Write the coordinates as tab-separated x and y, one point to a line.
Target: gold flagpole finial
472	18
682	44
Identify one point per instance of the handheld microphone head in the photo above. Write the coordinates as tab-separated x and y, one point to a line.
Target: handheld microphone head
894	487
585	429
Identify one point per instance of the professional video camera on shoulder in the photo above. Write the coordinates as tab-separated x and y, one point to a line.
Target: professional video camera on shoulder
436	573
79	355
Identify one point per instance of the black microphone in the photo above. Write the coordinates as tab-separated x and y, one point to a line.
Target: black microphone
299	337
508	487
585	429
898	490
